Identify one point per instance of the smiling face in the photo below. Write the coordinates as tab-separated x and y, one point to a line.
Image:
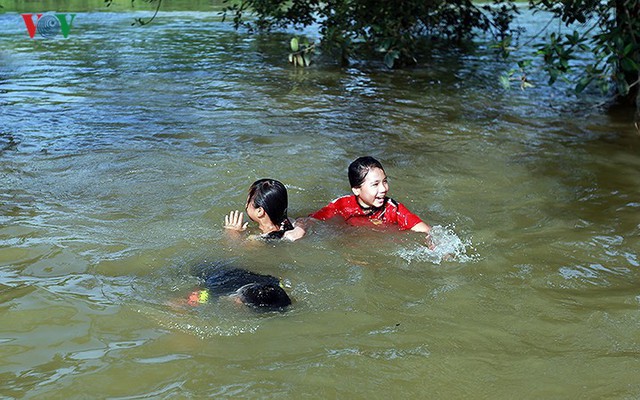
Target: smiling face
373	190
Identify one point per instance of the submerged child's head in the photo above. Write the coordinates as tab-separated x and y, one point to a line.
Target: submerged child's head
368	182
269	195
265	296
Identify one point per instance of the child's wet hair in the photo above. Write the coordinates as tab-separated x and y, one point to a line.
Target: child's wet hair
264	296
359	169
271	196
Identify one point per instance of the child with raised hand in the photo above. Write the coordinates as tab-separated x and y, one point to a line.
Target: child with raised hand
368	204
267	205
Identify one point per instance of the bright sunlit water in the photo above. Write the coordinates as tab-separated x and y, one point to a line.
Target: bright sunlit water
123	147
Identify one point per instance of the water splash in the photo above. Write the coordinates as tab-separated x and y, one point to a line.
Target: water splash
448	247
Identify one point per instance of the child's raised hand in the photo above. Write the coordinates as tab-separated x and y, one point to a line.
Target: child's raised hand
233	221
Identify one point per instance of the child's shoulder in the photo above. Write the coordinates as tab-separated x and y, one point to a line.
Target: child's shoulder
347	198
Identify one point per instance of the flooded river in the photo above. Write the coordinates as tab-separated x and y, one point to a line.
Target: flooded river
123	147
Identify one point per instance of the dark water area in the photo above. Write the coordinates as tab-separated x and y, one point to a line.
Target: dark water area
123	147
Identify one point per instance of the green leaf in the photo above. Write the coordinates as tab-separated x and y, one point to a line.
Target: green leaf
604	86
294	45
300	60
582	84
553	75
569	38
504	81
526	85
619	42
307	59
390	58
623	86
627	50
524	64
629	65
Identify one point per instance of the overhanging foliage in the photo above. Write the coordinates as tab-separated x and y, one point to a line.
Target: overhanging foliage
390	28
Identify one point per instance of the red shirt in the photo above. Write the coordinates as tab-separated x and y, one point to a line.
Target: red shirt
353	213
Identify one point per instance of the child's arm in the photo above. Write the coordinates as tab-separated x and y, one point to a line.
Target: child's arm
294	234
421	227
300	226
406	218
298	231
424	228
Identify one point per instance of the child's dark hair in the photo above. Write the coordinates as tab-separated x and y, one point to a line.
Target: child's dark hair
271	195
359	169
264	296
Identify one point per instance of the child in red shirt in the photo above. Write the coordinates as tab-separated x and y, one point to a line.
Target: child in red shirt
369	203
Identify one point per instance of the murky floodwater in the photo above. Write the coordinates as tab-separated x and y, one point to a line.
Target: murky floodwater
123	147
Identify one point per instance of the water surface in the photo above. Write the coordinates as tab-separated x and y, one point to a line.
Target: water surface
123	147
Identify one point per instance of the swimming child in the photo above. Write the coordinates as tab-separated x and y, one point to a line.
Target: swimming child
267	204
258	291
369	204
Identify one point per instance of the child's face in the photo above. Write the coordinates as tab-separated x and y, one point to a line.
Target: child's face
373	190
